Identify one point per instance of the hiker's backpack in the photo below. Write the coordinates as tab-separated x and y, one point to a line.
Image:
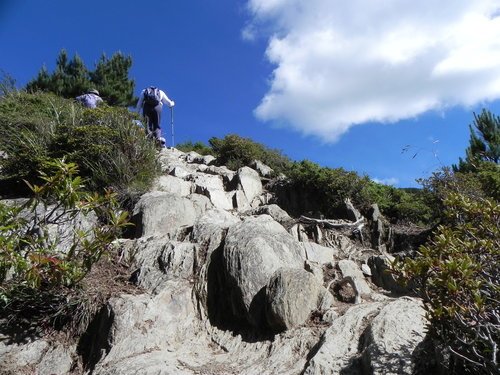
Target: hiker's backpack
152	96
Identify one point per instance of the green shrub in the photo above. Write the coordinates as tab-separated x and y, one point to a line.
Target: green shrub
110	150
29	254
457	275
400	205
235	152
198	147
40	284
327	188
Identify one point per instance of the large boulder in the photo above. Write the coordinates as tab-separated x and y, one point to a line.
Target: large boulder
273	210
47	358
393	336
291	296
140	334
173	185
158	213
319	254
254	249
340	344
350	269
248	180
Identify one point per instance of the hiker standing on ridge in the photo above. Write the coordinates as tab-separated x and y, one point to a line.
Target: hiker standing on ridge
91	99
151	102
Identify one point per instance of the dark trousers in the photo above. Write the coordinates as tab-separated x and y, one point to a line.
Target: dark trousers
153	118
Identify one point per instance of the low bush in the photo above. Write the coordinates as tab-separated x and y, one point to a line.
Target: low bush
457	275
235	152
110	150
198	147
37	275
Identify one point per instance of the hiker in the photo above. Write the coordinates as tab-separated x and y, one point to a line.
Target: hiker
91	99
151	102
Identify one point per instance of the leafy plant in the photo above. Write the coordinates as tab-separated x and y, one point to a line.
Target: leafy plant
235	152
457	275
30	253
72	78
110	150
198	147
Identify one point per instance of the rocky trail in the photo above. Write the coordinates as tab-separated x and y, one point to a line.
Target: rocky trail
231	284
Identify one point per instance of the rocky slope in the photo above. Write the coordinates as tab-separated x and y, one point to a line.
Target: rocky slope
234	285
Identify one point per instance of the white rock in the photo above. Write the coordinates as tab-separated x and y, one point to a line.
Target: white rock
159	213
351	269
173	185
249	182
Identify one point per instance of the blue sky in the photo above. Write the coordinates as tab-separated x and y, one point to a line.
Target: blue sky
344	84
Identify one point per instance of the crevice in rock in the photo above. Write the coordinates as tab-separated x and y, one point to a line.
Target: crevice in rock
96	341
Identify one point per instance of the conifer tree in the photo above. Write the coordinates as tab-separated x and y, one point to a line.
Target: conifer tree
111	79
484	142
72	78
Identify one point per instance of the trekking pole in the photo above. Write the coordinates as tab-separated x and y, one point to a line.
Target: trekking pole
172	124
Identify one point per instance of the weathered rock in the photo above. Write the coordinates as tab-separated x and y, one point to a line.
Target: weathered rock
240	201
154	326
298	232
219	198
263	169
204	182
253	251
159	213
366	269
353	214
339	345
201	203
351	269
226	174
393	336
180	172
249	181
272	210
209	232
173	185
291	296
319	254
192	157
381	276
169	159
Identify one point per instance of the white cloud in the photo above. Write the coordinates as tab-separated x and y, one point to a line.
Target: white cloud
392	181
342	63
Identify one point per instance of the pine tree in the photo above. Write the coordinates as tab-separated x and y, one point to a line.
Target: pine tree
484	142
111	79
72	78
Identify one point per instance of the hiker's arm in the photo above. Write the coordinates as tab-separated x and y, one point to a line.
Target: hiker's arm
166	100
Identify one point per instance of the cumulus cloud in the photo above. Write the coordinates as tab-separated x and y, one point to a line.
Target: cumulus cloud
343	63
391	181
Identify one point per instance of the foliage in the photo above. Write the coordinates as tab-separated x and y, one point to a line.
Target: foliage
198	147
7	83
110	150
457	275
235	152
482	183
30	255
329	187
400	205
484	142
110	77
72	78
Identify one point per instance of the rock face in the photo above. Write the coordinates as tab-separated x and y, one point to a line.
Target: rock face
231	284
291	296
254	249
